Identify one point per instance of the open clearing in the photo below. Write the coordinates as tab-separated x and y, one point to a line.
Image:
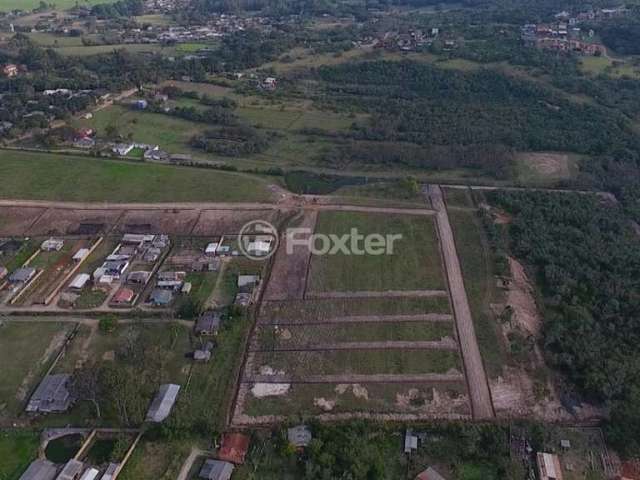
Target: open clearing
8	5
28	175
415	263
25	352
545	168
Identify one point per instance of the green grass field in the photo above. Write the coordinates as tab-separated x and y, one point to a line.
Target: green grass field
17	449
317	310
415	263
479	281
25	352
290	336
7	5
83	51
39	176
365	362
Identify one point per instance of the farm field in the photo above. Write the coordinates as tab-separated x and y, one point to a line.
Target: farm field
67	178
7	5
25	352
415	263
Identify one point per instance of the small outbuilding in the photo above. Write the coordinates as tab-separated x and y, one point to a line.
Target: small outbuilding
549	466
52	245
3	272
71	471
124	296
90	474
410	441
22	275
163	402
40	470
80	255
234	447
430	474
79	281
216	470
209	323
161	297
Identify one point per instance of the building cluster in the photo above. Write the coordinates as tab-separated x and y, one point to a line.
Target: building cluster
408	41
565	33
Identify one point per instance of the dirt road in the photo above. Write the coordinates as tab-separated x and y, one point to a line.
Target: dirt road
375	294
479	393
444	344
357	378
428	317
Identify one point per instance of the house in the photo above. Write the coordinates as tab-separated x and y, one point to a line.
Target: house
163	402
22	275
51	395
270	83
161	297
84	132
80	255
71	471
40	470
115	268
10	70
259	248
246	283
52	245
140	104
410	441
299	436
216	470
156	155
430	474
79	281
151	254
208	323
90	474
234	447
211	248
124	295
122	149
139	277
548	466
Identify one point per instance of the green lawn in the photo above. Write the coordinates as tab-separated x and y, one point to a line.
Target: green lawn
414	264
153	460
83	51
202	285
38	176
17	450
25	352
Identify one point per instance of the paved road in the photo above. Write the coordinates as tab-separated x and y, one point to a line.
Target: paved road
479	393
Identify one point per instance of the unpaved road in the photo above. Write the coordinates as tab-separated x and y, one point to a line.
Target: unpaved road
357	378
479	393
428	317
375	294
449	344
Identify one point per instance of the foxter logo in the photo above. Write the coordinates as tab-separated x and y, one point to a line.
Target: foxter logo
352	243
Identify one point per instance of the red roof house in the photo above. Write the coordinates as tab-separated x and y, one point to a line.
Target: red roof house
234	447
124	295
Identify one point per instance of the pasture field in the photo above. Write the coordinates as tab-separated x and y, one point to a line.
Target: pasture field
170	133
608	66
458	197
415	263
477	264
25	352
39	176
85	51
307	335
545	168
364	362
8	5
299	311
313	399
17	449
155	459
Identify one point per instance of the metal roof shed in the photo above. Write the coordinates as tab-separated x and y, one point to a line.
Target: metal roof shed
39	470
71	470
163	402
79	281
216	470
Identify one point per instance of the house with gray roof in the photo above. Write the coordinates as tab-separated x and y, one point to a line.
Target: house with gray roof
71	470
52	395
160	297
40	470
208	323
216	470
163	402
22	275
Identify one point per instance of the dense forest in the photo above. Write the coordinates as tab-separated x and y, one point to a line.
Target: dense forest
423	104
585	258
622	37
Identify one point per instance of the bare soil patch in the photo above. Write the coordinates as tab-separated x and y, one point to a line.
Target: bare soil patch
547	164
63	221
169	221
229	222
15	221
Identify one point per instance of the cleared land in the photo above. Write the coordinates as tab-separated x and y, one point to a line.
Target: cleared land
25	352
415	263
7	5
40	176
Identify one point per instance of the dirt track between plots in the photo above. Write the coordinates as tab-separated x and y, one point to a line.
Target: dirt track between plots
479	393
428	317
449	344
382	293
356	378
